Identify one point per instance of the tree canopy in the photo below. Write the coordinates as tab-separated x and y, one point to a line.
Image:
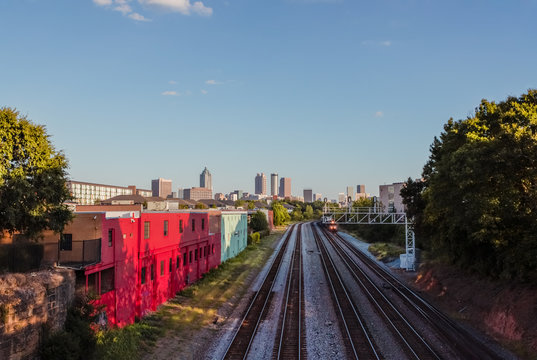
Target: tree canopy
477	204
258	221
32	178
280	214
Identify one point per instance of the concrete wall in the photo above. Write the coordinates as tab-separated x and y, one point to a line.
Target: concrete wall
27	302
234	233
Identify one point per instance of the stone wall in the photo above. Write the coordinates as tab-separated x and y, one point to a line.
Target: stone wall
28	302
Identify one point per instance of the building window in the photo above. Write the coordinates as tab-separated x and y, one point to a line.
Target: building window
110	237
152	272
146	229
143	275
196	255
161	267
184	259
177	261
190	257
171	265
66	242
180	226
107	280
193	225
202	224
165	227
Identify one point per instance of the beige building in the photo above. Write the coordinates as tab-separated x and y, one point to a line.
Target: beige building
197	193
390	197
161	187
85	193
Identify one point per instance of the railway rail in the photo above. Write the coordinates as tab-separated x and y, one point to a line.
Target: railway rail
460	340
244	335
358	340
412	342
292	344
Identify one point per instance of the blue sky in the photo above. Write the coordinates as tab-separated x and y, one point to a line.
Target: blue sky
328	92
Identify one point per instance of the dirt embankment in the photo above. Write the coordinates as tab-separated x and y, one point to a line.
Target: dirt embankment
505	311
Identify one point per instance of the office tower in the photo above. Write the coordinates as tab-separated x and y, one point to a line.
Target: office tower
350	193
197	193
274	184
161	187
360	189
180	193
318	196
206	179
308	195
285	187
261	184
341	198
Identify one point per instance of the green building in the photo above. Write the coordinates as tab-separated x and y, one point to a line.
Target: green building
234	233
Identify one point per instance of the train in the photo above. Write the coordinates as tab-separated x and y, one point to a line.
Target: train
331	226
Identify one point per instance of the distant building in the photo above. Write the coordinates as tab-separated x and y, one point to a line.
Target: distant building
261	184
274	184
285	187
308	195
233	197
219	196
390	197
317	196
161	187
180	193
85	193
206	179
141	192
341	198
360	189
197	193
350	193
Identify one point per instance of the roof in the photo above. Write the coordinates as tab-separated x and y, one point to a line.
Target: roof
137	199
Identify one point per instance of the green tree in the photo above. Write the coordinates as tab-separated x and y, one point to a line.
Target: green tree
258	221
32	178
296	214
478	203
280	214
251	205
308	213
200	206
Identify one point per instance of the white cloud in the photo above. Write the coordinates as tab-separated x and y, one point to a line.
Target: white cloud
379	114
377	43
213	82
181	6
123	8
172	82
102	2
204	92
170	93
138	17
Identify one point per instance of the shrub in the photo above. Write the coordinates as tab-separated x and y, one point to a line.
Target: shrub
62	345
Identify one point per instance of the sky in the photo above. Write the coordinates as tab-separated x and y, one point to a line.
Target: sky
330	93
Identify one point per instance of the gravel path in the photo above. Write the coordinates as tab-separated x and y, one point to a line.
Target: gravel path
323	337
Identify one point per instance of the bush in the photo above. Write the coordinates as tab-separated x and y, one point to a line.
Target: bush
258	221
62	345
117	344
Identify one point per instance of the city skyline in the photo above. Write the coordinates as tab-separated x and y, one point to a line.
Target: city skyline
377	79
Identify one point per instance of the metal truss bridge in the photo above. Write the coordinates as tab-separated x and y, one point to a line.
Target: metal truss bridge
374	216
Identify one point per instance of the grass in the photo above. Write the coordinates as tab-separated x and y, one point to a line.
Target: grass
386	252
196	307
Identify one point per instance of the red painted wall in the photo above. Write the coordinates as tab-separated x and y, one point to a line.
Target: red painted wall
133	252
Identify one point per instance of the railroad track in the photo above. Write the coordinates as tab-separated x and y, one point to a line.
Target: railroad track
459	339
412	342
357	338
291	343
244	335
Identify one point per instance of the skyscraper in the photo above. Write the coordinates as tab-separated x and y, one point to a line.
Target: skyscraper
350	193
161	187
308	195
261	184
274	184
360	189
206	179
285	187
